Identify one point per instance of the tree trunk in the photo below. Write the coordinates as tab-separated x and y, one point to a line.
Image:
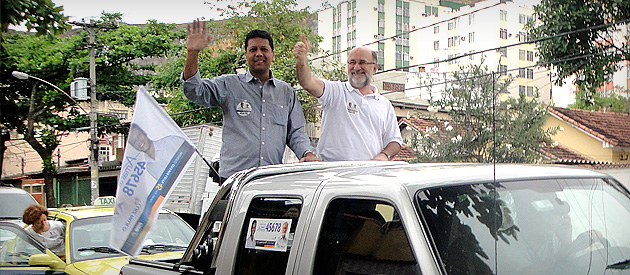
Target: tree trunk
49	189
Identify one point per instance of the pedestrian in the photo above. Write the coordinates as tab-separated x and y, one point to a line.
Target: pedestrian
358	123
49	233
261	114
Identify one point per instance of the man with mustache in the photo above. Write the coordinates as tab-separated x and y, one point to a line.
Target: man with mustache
357	123
261	114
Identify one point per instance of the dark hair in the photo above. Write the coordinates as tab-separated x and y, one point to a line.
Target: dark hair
33	212
259	34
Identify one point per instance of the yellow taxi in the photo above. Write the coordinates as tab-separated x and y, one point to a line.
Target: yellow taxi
87	236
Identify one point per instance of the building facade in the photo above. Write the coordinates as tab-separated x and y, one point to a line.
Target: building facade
386	26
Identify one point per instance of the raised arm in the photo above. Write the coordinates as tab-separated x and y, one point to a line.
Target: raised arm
198	39
310	83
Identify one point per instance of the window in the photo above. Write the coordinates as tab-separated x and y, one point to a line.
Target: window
510	223
437	62
530	73
436	29
502	69
360	235
521	72
277	217
471	56
450	57
381	23
451	42
103	153
399	11
521	54
471	37
521	90
16	240
503	51
530	56
436	45
503	33
503	15
450	25
522	37
522	19
471	19
530	91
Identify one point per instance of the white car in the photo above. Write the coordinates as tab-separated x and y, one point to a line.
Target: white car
13	201
397	218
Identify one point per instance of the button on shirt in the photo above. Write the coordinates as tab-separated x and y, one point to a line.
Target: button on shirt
258	119
355	126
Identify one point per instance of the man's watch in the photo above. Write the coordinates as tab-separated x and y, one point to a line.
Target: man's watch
306	152
387	155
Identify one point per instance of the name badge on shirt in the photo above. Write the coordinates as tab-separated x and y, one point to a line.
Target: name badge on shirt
352	108
243	108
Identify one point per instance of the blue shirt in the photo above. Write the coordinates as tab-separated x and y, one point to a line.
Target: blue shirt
258	119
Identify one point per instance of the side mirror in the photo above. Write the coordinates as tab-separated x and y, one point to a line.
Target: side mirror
46	260
202	256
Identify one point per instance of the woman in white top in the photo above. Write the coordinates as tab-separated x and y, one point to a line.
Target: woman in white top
50	233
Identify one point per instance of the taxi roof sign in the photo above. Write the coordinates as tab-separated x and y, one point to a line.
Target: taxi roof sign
107	200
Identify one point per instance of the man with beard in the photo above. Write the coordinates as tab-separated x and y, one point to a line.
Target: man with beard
260	113
357	123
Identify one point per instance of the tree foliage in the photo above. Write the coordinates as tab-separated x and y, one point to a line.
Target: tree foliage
480	127
42	113
593	46
40	15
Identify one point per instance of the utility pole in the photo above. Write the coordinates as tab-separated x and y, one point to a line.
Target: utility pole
94	141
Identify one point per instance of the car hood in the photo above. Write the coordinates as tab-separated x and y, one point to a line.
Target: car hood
113	265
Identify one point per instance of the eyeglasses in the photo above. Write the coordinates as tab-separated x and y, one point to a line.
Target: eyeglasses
361	62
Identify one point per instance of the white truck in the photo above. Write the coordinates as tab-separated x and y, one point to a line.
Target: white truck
399	218
197	188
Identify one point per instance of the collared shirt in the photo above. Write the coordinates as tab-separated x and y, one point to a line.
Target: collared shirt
355	126
259	119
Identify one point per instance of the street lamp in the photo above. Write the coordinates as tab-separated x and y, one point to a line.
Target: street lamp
93	138
25	76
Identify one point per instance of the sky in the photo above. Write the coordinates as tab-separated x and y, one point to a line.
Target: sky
165	11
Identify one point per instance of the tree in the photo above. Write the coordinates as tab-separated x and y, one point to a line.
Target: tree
48	113
278	17
479	127
613	102
593	45
40	15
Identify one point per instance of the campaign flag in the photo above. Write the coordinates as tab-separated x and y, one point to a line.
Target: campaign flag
156	156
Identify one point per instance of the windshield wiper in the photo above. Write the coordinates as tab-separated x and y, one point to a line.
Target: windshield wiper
162	247
625	264
100	249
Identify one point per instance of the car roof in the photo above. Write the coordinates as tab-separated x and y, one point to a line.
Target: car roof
416	176
81	212
11	190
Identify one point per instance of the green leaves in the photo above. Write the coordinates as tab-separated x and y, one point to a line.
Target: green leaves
40	15
586	47
479	127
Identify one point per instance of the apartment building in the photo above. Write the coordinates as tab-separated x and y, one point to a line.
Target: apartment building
383	25
491	31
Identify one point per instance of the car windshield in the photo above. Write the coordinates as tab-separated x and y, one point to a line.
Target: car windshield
89	238
565	226
12	205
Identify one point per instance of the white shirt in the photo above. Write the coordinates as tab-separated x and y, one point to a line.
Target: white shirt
354	126
52	239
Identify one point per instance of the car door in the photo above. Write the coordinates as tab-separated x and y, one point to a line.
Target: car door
22	254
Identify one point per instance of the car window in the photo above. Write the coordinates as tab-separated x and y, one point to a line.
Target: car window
564	226
267	235
17	246
89	237
12	204
361	236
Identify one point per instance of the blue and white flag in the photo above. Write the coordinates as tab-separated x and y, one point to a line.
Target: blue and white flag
156	156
